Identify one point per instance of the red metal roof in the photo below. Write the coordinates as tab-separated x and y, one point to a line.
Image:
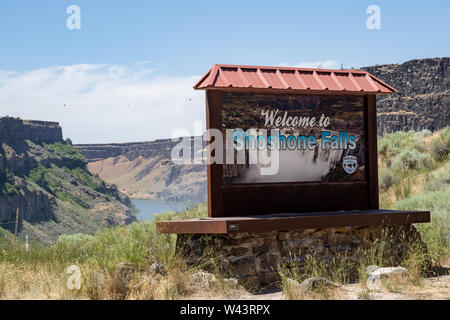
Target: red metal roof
292	79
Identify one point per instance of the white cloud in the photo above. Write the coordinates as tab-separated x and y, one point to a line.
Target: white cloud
326	64
97	103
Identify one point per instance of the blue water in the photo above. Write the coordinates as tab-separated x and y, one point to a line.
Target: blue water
148	208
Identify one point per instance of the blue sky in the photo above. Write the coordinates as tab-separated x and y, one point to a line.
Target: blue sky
181	39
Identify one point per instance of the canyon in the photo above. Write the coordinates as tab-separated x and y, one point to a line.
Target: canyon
45	180
145	170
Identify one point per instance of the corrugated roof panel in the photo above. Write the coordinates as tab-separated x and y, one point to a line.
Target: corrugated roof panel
219	80
253	77
328	81
346	81
233	78
311	82
292	79
384	87
271	77
362	82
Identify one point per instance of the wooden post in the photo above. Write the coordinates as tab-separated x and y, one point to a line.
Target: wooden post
373	152
15	228
214	171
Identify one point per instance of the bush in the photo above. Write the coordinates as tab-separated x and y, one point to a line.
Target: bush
411	159
440	146
385	146
436	201
387	180
394	143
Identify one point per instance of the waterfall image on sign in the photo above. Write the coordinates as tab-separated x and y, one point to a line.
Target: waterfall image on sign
297	165
336	154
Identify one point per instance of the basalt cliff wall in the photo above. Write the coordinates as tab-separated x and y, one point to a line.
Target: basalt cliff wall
423	97
14	132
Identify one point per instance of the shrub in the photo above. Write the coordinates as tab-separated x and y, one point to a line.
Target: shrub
385	146
387	180
440	146
394	143
411	159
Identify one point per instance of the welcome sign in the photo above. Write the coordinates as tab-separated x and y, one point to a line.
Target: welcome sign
290	149
316	137
292	140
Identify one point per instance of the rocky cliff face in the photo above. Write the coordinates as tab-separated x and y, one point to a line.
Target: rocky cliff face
423	98
145	170
46	179
15	132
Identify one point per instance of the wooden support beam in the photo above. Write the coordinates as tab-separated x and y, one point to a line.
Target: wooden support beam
293	221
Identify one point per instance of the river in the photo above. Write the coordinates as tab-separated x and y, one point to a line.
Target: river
148	208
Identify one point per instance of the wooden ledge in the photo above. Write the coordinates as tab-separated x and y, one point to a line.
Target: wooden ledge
293	221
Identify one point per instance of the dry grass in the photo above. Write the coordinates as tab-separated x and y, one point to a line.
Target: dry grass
31	282
40	282
114	263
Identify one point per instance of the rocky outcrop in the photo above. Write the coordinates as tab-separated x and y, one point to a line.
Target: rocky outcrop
14	132
47	181
34	205
146	170
423	97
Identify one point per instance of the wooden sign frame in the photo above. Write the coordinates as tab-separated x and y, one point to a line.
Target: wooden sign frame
263	198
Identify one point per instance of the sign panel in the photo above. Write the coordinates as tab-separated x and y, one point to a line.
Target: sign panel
317	138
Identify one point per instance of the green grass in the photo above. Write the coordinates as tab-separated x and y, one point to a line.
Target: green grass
65	150
82	175
44	177
54	179
11	188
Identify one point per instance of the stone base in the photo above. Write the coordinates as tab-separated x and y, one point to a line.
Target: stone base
254	258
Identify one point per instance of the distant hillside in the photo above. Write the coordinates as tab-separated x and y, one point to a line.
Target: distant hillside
145	170
423	98
47	180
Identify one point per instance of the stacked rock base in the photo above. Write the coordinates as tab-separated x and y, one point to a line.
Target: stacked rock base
255	258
